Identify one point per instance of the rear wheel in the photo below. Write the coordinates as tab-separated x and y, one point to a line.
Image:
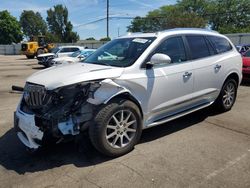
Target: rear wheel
117	128
227	96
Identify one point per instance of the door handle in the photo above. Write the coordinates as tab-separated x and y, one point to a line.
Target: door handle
217	67
187	74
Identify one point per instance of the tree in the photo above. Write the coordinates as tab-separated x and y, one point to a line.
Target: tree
59	25
105	39
10	29
90	38
167	17
32	23
229	16
224	16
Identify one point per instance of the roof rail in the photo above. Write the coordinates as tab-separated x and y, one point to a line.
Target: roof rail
194	29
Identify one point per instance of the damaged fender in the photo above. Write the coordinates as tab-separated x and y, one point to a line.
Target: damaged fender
107	90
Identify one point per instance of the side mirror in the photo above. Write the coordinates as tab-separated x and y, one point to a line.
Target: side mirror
159	59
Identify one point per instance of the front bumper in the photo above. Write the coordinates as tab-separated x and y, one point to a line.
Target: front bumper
28	133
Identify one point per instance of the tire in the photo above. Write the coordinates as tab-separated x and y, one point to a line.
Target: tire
30	56
227	96
39	51
107	122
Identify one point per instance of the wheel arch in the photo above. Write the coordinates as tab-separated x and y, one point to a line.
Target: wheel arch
233	75
126	96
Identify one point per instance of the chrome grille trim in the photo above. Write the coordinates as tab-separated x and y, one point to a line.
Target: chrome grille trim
34	95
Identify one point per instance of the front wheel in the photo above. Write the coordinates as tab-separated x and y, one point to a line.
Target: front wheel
117	128
227	96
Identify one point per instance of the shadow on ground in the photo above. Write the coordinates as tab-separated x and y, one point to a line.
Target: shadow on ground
38	68
245	83
13	155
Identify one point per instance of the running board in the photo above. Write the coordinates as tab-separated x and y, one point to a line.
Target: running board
177	115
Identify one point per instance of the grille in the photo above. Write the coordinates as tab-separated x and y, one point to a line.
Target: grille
34	95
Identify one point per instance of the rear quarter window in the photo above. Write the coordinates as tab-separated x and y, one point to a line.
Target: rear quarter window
220	44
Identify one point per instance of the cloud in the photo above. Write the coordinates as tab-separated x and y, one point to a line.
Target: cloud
141	3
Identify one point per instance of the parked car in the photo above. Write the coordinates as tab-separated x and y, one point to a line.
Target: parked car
73	58
243	48
62	51
246	65
155	78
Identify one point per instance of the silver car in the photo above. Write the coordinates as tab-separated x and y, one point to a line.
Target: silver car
130	84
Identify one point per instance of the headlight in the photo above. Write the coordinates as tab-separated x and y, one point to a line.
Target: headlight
80	91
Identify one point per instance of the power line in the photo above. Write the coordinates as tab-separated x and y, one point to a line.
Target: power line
152	18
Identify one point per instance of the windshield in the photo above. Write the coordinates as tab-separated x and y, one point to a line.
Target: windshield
55	50
75	54
120	52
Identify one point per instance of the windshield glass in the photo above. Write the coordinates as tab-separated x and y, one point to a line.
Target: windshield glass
75	54
55	50
120	52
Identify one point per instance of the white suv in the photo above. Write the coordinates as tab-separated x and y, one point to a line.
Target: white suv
130	84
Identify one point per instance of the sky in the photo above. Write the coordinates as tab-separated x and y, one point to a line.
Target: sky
82	12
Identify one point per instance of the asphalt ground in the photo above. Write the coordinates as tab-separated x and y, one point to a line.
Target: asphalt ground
203	149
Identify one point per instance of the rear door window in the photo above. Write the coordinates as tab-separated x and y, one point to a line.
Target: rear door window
198	46
220	44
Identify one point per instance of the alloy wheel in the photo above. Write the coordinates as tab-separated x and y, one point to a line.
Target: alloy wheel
121	128
229	95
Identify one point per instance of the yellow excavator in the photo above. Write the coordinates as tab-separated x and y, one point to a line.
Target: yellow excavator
37	45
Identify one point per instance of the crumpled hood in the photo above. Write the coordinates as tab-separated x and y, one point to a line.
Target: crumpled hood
68	74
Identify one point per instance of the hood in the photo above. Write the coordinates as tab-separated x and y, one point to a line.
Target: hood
45	55
68	74
61	59
246	61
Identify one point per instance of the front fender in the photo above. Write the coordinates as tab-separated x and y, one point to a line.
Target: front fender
107	90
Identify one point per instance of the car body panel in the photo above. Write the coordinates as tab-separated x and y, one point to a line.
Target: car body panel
162	92
73	73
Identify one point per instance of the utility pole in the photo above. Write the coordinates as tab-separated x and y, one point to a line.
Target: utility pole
107	18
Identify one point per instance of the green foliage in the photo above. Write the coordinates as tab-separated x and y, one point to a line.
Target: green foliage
59	25
224	16
105	39
90	38
32	23
166	17
10	29
52	38
231	16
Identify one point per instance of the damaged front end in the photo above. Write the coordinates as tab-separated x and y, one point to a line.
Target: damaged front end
60	113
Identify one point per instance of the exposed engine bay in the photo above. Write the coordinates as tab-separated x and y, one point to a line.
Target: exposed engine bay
65	111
